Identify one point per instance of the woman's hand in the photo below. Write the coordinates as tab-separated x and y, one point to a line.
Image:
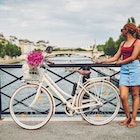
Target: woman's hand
98	62
50	62
118	62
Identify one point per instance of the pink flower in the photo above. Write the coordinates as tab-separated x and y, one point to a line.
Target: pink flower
35	58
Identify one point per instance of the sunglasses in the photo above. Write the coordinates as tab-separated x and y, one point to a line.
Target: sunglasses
123	29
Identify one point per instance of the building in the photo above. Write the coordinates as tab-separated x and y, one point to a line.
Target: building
26	46
14	40
41	45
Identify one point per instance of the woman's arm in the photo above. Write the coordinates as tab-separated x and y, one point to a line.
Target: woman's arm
112	59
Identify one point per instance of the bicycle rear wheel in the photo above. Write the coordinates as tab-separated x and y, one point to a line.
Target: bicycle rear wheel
107	94
27	116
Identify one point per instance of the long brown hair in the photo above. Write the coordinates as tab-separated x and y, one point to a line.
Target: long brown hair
133	29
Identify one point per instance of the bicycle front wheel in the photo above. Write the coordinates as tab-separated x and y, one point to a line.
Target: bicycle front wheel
31	116
105	93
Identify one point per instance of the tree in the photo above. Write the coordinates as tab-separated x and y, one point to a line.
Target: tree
9	49
100	47
110	47
2	51
131	20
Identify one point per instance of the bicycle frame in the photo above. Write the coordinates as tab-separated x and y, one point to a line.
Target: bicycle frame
59	92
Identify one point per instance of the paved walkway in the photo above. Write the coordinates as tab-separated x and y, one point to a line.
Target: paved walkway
69	130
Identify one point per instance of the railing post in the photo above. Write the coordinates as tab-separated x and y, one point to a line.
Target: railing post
0	98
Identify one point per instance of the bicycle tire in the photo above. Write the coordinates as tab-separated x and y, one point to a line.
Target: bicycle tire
27	116
108	94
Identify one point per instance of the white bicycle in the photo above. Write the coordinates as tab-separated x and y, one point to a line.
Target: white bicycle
32	104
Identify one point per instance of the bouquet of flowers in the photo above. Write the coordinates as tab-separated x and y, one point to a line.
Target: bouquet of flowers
30	69
34	59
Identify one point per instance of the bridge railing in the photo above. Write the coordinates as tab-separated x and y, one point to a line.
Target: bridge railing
89	54
11	78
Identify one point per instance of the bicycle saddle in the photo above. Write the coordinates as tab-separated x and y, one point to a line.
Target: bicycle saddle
83	72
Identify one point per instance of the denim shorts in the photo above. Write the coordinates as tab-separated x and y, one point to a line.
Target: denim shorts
130	74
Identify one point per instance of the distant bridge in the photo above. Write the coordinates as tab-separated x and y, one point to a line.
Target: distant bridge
89	54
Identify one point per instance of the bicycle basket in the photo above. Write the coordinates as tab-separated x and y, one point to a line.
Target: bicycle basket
30	74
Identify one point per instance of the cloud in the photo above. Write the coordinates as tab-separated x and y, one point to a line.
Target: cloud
67	23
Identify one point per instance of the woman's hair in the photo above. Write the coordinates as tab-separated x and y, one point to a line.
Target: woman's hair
133	29
49	49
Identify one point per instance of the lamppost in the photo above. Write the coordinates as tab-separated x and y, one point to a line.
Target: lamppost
93	49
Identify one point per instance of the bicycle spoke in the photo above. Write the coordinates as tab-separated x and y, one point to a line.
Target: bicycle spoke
106	103
35	116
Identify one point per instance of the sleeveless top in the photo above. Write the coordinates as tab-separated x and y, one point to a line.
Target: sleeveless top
127	51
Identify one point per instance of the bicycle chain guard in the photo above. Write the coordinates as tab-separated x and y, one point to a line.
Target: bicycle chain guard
69	111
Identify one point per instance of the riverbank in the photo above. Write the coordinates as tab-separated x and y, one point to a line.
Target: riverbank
9	60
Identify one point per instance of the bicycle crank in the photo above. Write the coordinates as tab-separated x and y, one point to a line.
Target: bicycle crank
69	111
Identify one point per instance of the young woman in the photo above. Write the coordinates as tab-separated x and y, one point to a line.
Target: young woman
127	57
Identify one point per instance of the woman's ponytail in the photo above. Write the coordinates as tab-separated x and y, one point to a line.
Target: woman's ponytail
138	33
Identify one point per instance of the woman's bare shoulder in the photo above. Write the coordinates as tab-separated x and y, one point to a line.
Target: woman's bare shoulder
137	43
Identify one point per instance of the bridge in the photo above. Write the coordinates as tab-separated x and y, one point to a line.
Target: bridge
90	54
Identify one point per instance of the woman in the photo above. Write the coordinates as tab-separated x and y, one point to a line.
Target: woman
130	71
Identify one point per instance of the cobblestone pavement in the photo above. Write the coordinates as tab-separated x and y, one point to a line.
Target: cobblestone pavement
69	130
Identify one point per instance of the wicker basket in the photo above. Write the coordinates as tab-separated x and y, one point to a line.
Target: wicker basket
30	74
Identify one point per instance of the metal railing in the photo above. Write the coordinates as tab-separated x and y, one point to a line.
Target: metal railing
11	78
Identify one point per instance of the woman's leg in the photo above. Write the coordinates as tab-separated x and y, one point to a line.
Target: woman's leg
135	105
124	98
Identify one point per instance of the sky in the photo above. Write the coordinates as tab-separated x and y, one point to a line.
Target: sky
67	23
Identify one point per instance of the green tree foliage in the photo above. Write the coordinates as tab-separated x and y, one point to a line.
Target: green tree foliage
67	49
131	20
79	49
111	46
2	51
100	47
9	49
